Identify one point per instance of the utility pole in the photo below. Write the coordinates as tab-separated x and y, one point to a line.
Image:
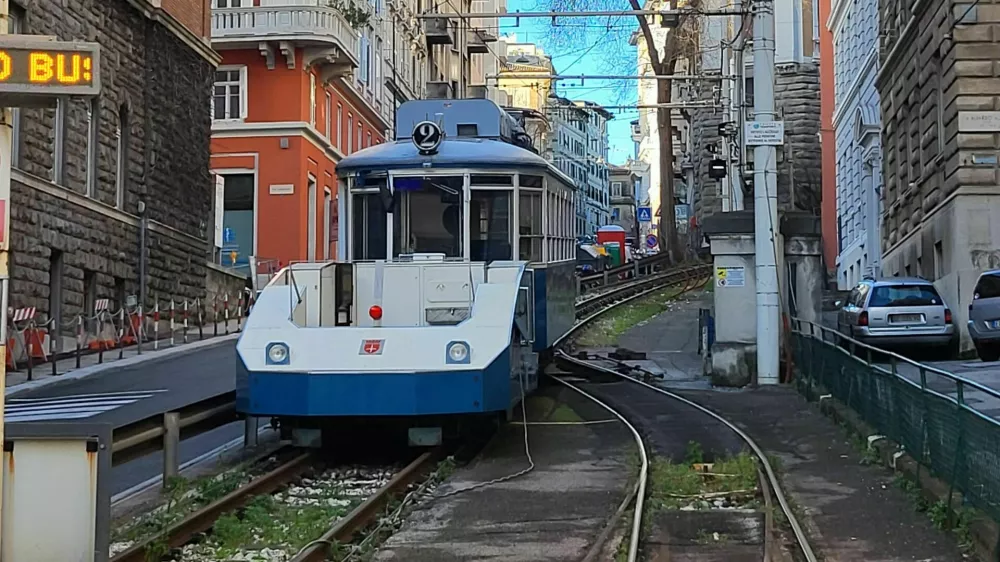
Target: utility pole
765	196
6	152
737	111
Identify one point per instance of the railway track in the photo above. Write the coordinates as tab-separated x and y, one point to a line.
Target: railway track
609	369
183	536
301	481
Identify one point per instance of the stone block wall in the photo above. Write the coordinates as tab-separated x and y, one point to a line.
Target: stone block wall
796	94
156	88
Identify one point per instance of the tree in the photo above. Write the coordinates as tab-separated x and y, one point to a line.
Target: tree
681	42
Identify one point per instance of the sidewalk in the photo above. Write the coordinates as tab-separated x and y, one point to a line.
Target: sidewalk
851	512
41	374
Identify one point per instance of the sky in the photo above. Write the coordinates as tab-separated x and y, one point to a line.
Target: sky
586	46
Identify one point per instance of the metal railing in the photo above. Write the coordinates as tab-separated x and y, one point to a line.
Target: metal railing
261	22
925	410
625	272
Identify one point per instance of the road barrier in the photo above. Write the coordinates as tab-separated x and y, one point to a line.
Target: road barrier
929	416
169	323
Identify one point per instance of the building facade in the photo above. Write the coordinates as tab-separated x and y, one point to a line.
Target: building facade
299	88
624	186
597	188
84	170
569	151
939	90
828	145
857	125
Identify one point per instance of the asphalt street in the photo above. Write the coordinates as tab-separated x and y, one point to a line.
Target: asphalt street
125	395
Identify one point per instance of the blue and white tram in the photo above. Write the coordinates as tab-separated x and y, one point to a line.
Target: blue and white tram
459	276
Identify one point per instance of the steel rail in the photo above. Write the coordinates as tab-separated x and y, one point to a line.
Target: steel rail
775	485
181	532
363	515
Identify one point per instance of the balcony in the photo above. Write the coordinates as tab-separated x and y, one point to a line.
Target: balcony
327	37
438	31
440	91
476	42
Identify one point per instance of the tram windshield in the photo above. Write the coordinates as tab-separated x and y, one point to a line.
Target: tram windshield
429	211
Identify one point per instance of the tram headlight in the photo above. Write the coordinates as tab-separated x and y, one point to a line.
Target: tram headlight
277	354
458	353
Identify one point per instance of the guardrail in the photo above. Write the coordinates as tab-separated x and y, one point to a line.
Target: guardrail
625	272
922	408
165	431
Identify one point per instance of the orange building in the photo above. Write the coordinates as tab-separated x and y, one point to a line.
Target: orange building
290	99
828	143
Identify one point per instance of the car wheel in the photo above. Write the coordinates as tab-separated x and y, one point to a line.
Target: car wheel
988	353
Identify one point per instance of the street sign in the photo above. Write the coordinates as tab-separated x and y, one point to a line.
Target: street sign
35	69
765	133
651	241
730	277
645	214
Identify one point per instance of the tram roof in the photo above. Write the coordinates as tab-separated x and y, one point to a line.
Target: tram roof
453	153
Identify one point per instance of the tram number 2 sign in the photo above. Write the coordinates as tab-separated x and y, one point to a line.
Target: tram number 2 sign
427	137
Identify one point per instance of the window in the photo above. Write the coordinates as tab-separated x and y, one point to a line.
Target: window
311	231
365	62
904	295
530	225
491	215
988	287
93	131
429	215
350	127
230	3
123	137
59	141
368	140
369	223
938	260
55	295
360	129
616	189
340	132
328	109
312	99
229	94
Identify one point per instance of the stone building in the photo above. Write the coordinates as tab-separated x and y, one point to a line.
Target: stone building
82	169
857	122
940	94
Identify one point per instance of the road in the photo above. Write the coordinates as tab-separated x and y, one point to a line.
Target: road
123	396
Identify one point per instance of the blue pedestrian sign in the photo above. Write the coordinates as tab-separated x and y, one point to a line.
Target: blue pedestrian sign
651	240
645	214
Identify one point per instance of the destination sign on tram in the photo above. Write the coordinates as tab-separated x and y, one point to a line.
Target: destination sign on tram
33	66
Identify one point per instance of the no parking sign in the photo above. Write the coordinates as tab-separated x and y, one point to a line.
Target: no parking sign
651	241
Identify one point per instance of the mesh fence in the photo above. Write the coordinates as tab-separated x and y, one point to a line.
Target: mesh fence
925	411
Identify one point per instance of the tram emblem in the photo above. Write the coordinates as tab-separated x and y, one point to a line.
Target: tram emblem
371	347
427	137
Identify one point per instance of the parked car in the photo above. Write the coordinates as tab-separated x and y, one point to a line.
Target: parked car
898	312
984	316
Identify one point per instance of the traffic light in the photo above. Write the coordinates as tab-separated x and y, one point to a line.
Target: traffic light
717	168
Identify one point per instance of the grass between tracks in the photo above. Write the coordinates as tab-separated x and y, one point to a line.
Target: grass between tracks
605	330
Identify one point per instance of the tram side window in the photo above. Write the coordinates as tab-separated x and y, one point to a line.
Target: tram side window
530	225
491	214
369	226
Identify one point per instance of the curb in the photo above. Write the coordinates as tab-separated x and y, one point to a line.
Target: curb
120	364
983	530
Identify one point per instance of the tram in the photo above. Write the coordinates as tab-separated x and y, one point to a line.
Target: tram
456	274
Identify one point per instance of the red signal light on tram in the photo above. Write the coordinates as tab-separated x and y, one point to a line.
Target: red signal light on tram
375	312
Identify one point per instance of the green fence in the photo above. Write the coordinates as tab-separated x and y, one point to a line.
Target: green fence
926	410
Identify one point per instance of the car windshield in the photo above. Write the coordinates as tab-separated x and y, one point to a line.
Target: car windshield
904	295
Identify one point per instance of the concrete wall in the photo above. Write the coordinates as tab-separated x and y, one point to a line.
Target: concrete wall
220	282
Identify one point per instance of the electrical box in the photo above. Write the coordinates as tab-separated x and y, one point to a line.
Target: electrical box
56	494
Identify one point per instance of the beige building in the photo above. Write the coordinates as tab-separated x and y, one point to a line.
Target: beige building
940	95
461	49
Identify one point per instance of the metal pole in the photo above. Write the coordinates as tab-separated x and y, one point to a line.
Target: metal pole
6	152
171	444
143	226
250	432
738	112
765	199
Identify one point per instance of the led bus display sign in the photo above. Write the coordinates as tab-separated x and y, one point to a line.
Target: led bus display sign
31	66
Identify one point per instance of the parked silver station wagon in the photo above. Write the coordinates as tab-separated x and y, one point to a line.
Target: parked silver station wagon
898	312
984	316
